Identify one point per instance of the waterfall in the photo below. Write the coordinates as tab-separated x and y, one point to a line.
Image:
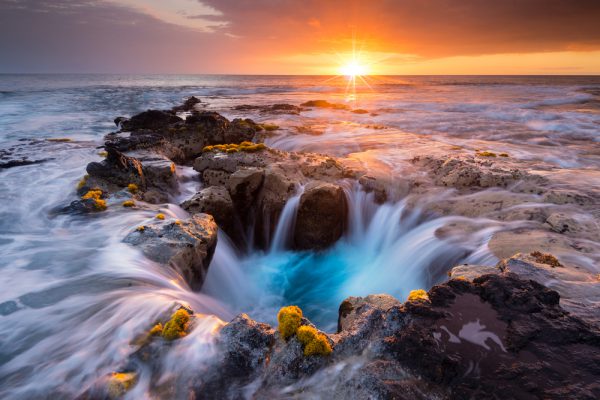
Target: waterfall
285	226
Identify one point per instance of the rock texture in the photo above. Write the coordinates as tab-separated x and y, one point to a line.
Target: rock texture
322	215
213	200
495	335
260	183
187	245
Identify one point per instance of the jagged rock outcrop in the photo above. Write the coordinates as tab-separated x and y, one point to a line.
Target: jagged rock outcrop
496	334
179	140
213	200
185	245
579	289
261	182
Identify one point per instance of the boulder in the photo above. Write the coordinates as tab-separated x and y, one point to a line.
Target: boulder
322	216
213	200
150	119
188	105
244	184
147	170
352	307
185	245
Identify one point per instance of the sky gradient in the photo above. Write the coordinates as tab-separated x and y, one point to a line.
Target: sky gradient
300	36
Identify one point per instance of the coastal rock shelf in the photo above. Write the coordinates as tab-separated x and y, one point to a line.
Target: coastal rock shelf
524	324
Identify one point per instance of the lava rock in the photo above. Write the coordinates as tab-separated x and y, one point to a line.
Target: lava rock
213	200
186	245
150	119
322	215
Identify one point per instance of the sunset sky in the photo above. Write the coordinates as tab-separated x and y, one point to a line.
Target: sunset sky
301	36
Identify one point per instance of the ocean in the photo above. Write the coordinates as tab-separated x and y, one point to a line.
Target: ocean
73	296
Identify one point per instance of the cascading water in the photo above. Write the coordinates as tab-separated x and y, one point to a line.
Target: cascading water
388	249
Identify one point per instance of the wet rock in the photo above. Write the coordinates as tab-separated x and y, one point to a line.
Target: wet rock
116	169
244	184
261	183
568	196
470	271
150	119
351	309
186	245
213	200
496	334
579	289
177	139
321	217
324	104
467	171
188	105
271	109
373	185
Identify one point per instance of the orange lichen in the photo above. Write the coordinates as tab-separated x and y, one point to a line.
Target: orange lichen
95	195
418	295
133	188
544	258
177	222
92	194
128	203
289	319
119	383
177	326
160	216
140	228
156	330
486	154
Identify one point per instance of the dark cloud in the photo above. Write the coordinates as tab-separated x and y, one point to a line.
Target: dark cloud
430	28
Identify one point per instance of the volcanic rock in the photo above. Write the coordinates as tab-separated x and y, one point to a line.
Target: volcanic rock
321	217
185	245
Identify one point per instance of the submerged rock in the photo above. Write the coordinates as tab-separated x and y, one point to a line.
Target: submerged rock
321	217
185	245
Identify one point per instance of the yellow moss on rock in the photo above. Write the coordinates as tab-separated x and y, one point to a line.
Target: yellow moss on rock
177	326
119	383
486	154
133	188
156	330
160	216
503	155
418	295
289	319
545	258
140	228
128	203
95	194
314	342
245	146
319	346
103	153
82	182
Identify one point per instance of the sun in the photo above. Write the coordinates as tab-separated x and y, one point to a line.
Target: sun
354	68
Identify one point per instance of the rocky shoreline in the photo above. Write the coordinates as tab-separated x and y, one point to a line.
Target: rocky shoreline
488	332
